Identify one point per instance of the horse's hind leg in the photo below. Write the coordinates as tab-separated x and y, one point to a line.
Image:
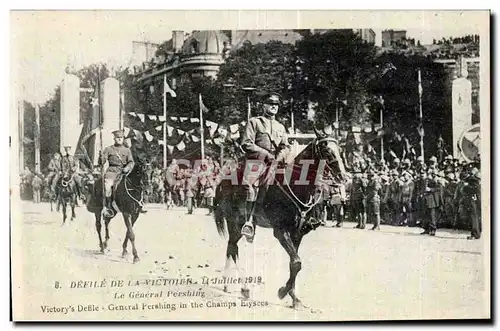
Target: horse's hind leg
73	214
64	212
98	227
291	247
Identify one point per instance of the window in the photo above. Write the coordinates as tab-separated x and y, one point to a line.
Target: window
195	47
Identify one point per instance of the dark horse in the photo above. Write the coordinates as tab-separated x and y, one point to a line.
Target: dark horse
128	196
288	207
67	194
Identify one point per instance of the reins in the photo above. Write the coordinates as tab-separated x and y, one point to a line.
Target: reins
293	197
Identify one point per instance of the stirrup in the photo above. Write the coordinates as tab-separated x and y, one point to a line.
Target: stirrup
107	212
248	231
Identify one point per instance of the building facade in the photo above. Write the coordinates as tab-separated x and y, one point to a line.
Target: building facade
367	35
391	36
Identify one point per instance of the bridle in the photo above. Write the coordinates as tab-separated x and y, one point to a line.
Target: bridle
305	208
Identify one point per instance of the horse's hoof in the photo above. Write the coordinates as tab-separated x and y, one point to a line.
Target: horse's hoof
282	292
245	293
104	245
298	305
124	253
136	259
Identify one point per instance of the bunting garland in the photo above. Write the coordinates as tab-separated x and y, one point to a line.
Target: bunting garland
151	126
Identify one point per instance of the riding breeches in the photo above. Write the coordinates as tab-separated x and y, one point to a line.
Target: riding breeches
53	177
109	181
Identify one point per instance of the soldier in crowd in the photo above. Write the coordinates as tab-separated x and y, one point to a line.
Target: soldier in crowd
358	159
407	187
433	164
419	204
433	201
373	190
447	164
420	165
396	164
358	200
472	192
385	182
70	166
394	199
264	139
382	167
337	202
448	204
36	184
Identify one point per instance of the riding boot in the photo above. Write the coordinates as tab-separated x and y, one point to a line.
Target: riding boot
248	229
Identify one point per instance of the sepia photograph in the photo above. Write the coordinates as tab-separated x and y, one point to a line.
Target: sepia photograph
250	165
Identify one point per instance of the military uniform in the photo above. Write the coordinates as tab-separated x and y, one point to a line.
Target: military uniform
433	202
394	199
55	168
264	139
70	166
120	161
358	200
407	187
472	192
337	202
373	201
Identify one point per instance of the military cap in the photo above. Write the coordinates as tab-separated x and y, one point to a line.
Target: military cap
407	161
394	172
433	159
420	158
449	157
118	133
272	99
396	160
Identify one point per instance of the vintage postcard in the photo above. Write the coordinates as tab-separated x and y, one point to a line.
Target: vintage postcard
250	165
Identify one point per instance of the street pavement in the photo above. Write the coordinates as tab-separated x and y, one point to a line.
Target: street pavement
347	273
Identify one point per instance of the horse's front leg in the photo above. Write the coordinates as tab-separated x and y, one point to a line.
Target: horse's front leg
291	247
98	227
64	204
232	254
129	223
73	214
106	229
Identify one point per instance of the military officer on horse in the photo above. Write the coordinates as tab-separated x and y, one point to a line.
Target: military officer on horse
55	169
70	169
120	163
264	139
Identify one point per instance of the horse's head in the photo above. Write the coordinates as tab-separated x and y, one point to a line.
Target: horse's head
326	147
142	171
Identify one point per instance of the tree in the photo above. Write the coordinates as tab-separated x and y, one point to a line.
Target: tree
400	92
338	65
266	67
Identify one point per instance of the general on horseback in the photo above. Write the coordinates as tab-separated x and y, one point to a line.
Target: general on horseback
264	139
120	189
281	198
120	163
